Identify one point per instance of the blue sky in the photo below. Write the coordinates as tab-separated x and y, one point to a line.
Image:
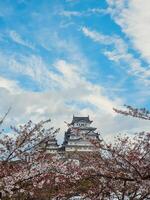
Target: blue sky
82	57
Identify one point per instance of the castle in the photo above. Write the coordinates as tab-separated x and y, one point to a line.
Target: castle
78	137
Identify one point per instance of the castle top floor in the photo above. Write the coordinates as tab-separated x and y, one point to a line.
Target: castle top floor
81	122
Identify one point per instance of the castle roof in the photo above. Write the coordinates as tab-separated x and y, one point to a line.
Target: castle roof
79	119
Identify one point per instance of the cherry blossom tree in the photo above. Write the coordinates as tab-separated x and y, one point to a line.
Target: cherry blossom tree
24	165
120	170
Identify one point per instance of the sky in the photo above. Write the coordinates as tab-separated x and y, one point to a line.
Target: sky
60	58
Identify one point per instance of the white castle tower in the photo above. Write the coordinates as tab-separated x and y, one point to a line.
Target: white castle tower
79	135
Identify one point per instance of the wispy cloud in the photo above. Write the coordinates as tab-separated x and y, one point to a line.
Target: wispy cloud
55	104
81	89
72	89
64	77
120	54
9	85
48	67
31	66
85	13
16	37
134	20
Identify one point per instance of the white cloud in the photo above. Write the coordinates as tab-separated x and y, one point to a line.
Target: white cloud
85	13
18	39
9	85
61	102
68	89
97	37
32	66
52	104
133	17
70	13
120	53
80	89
